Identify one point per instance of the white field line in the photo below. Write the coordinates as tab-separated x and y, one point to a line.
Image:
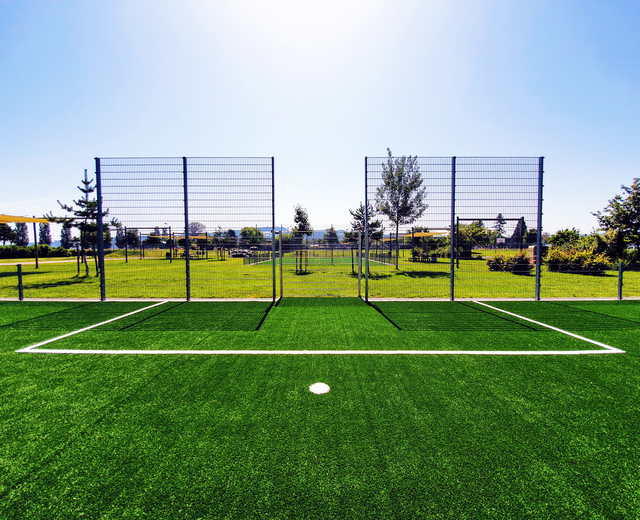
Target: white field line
329	352
32	347
608	347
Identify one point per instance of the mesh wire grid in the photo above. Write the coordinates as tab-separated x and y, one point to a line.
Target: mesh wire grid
227	206
500	194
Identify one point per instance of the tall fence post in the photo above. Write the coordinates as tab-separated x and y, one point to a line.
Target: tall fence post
539	224
359	258
187	246
273	225
366	232
451	231
20	291
281	255
620	271
103	292
35	241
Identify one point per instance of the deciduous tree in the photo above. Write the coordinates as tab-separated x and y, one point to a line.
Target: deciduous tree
401	196
622	214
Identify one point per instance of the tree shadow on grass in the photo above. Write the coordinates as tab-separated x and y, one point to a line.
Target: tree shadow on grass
63	283
424	274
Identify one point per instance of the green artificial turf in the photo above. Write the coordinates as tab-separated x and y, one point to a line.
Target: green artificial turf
397	437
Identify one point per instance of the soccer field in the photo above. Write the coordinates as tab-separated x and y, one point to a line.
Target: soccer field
203	409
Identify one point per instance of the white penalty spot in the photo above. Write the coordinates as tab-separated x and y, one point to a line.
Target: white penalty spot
319	388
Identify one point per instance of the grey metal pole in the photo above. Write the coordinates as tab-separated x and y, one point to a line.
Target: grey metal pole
35	239
539	224
359	259
451	234
103	285
280	244
366	231
186	228
20	291
273	225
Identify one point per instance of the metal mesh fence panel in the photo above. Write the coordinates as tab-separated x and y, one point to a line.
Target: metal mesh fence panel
184	226
496	220
420	251
490	203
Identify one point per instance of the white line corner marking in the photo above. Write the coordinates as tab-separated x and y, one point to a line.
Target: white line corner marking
32	347
608	347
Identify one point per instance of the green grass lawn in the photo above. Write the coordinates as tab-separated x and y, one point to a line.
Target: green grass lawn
230	278
240	436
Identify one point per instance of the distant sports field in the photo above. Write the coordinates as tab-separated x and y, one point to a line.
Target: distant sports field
165	409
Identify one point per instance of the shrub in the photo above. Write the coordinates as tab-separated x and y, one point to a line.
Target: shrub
517	263
575	260
44	251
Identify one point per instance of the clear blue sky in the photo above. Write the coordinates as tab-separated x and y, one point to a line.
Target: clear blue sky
319	85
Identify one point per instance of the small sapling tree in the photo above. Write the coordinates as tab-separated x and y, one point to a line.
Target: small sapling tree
302	226
401	196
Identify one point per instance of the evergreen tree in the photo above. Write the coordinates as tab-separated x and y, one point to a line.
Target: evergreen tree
22	234
376	230
85	219
331	236
65	237
44	234
499	225
121	241
7	234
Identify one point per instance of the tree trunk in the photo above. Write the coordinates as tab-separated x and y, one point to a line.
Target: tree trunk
95	257
397	245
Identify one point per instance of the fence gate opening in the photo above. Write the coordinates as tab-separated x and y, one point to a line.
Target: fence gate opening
319	269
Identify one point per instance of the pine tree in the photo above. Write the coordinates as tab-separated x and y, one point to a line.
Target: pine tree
22	234
65	236
44	234
85	216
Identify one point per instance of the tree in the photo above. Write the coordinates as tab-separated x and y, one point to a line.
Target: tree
565	237
475	234
7	234
518	234
44	234
330	236
499	225
85	219
252	235
65	236
401	196
196	228
121	242
107	239
132	237
531	236
622	214
301	227
22	234
376	229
